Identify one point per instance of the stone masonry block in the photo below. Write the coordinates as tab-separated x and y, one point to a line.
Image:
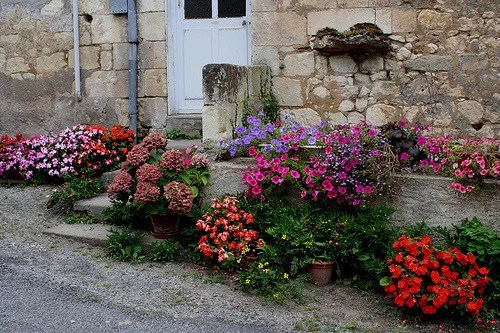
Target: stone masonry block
299	64
153	112
471	62
430	63
155	82
264	6
383	20
150	6
288	91
353	3
49	65
94	7
106	60
107	84
267	55
340	19
404	20
120	56
89	57
109	29
121	111
271	28
16	65
373	64
152	26
306	116
152	55
343	64
434	20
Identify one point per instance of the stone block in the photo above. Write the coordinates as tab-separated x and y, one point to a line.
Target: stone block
355	118
53	8
89	57
361	104
404	20
321	66
299	64
152	26
120	56
430	63
321	92
108	29
373	64
343	64
144	6
106	60
155	83
267	55
152	55
272	28
153	112
288	91
471	62
340	19
380	114
434	20
346	106
107	84
121	111
383	20
215	123
16	65
9	39
3	60
264	6
94	7
305	116
297	5
473	111
337	118
352	3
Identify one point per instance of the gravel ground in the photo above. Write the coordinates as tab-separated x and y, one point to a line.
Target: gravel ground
59	270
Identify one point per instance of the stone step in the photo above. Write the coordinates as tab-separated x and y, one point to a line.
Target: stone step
93	206
94	234
189	124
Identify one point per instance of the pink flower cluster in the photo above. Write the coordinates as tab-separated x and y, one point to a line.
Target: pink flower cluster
161	180
81	149
179	197
348	169
469	162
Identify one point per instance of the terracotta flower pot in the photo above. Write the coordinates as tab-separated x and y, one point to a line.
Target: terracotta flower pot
165	226
320	272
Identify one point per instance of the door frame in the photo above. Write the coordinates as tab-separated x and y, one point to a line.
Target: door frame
172	17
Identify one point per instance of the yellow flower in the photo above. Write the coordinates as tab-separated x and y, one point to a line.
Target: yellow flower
283	237
261	266
238	261
245	250
266	270
247	281
285	276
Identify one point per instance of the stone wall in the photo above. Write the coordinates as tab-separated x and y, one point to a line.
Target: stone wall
37	69
443	67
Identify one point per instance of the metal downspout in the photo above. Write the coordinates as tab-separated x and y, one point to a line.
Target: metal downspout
76	51
132	65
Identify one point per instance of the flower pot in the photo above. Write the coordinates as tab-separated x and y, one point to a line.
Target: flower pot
320	272
165	226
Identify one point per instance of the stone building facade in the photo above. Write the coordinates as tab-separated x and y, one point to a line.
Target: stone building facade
442	67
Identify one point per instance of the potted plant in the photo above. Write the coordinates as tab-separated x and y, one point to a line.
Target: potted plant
165	182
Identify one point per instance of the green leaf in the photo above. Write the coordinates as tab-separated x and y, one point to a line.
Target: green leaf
385	281
195	191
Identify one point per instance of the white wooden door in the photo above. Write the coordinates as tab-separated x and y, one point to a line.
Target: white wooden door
207	31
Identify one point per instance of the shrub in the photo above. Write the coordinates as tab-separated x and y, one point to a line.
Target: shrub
75	189
166	250
125	245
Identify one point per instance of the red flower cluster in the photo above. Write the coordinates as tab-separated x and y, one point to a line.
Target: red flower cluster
228	232
430	279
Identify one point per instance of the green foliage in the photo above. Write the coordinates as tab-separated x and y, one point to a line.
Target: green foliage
167	250
270	281
75	189
474	237
270	104
177	134
122	214
80	218
125	245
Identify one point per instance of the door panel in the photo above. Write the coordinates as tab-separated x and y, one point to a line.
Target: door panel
208	31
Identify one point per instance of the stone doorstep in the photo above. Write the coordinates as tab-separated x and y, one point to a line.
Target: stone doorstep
94	234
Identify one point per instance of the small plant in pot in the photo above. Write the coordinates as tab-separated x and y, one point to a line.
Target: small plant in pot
165	182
